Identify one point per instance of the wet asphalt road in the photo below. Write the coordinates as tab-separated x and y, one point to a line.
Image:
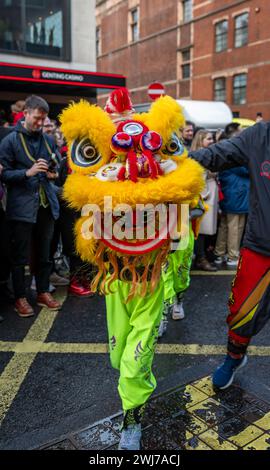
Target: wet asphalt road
65	392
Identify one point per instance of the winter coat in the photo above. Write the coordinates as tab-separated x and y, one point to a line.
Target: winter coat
251	149
23	193
235	188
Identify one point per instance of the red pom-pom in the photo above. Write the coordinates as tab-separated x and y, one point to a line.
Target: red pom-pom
119	101
121	142
151	141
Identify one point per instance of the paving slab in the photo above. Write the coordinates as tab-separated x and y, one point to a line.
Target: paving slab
190	417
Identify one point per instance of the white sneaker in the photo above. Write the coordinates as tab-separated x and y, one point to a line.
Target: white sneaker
131	438
178	311
232	262
220	259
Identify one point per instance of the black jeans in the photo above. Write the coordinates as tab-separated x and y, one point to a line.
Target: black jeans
23	235
200	247
4	249
78	268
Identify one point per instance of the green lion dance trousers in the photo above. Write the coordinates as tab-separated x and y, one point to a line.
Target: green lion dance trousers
132	330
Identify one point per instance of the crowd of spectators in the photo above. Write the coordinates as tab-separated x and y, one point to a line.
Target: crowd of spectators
36	225
37	248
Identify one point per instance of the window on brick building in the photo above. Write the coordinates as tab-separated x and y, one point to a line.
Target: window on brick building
36	28
186	63
240	88
220	89
187	10
186	71
98	42
241	30
221	35
186	55
134	24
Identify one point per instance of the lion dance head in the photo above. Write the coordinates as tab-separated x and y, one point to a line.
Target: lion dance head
134	160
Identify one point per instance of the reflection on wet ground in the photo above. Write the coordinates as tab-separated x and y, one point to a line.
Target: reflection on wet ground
191	417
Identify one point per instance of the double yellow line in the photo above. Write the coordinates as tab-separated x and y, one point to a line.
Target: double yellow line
16	370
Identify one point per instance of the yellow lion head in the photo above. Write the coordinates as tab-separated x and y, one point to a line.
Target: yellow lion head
138	161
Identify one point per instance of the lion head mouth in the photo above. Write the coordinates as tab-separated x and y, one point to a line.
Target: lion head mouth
138	231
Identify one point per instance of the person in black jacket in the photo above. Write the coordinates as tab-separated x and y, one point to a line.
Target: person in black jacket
27	156
249	302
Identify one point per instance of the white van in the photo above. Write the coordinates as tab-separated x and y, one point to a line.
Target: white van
211	115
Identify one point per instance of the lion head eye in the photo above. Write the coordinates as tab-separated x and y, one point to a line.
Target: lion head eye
84	153
174	146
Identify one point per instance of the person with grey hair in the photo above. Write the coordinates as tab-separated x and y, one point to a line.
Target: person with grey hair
27	156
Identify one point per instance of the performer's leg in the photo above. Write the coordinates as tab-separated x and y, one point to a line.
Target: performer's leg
137	381
169	294
182	260
168	280
176	278
249	301
249	305
117	321
221	243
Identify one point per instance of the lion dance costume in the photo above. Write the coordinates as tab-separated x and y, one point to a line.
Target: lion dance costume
134	160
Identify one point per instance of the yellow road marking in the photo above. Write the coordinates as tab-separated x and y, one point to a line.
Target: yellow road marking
31	346
251	437
16	370
204	410
11	380
196	349
34	343
195	444
263	443
195	425
264	422
249	434
213	439
191	396
205	385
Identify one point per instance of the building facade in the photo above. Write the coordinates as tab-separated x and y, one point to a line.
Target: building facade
199	49
48	47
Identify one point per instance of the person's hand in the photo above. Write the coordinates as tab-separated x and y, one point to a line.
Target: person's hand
1	169
52	175
40	166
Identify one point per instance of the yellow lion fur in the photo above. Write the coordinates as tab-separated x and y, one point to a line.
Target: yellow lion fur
165	116
180	186
85	120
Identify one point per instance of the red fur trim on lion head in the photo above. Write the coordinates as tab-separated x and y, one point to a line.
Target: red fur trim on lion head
118	102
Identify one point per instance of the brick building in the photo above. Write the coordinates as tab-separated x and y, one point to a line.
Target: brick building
199	49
